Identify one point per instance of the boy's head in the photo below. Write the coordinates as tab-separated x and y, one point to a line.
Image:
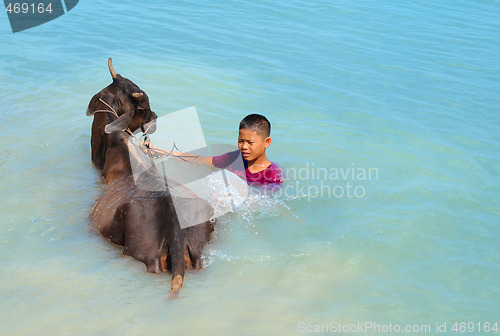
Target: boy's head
253	137
257	123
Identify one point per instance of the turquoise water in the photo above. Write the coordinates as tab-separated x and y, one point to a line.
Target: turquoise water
406	91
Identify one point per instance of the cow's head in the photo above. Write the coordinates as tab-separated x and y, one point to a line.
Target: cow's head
125	105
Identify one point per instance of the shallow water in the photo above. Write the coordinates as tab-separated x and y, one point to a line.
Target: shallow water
407	90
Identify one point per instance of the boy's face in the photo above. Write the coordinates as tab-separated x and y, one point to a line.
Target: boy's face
252	145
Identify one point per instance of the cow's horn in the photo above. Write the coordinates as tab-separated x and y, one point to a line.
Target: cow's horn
111	70
137	95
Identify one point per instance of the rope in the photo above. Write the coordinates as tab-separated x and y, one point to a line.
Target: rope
147	148
112	110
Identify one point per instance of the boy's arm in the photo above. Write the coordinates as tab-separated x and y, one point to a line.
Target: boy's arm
204	160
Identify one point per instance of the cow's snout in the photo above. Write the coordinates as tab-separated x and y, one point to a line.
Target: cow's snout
151	125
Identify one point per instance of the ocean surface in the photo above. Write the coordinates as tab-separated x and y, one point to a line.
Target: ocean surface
385	117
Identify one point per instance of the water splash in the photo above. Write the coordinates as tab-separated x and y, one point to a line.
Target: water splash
233	195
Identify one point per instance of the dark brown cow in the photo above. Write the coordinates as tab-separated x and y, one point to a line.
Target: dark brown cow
144	222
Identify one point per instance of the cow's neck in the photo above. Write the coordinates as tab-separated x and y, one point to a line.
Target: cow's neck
117	164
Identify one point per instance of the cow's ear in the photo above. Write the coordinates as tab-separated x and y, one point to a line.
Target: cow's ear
93	104
137	96
120	124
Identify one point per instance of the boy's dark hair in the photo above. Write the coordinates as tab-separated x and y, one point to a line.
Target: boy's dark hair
257	123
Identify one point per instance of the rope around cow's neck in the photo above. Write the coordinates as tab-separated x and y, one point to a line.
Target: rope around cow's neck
111	109
113	112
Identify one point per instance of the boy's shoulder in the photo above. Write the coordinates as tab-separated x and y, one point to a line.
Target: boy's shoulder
272	174
234	162
226	159
276	169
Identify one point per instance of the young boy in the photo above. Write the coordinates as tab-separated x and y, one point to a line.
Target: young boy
249	161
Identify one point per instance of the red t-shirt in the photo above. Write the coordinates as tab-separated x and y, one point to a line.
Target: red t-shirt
234	162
